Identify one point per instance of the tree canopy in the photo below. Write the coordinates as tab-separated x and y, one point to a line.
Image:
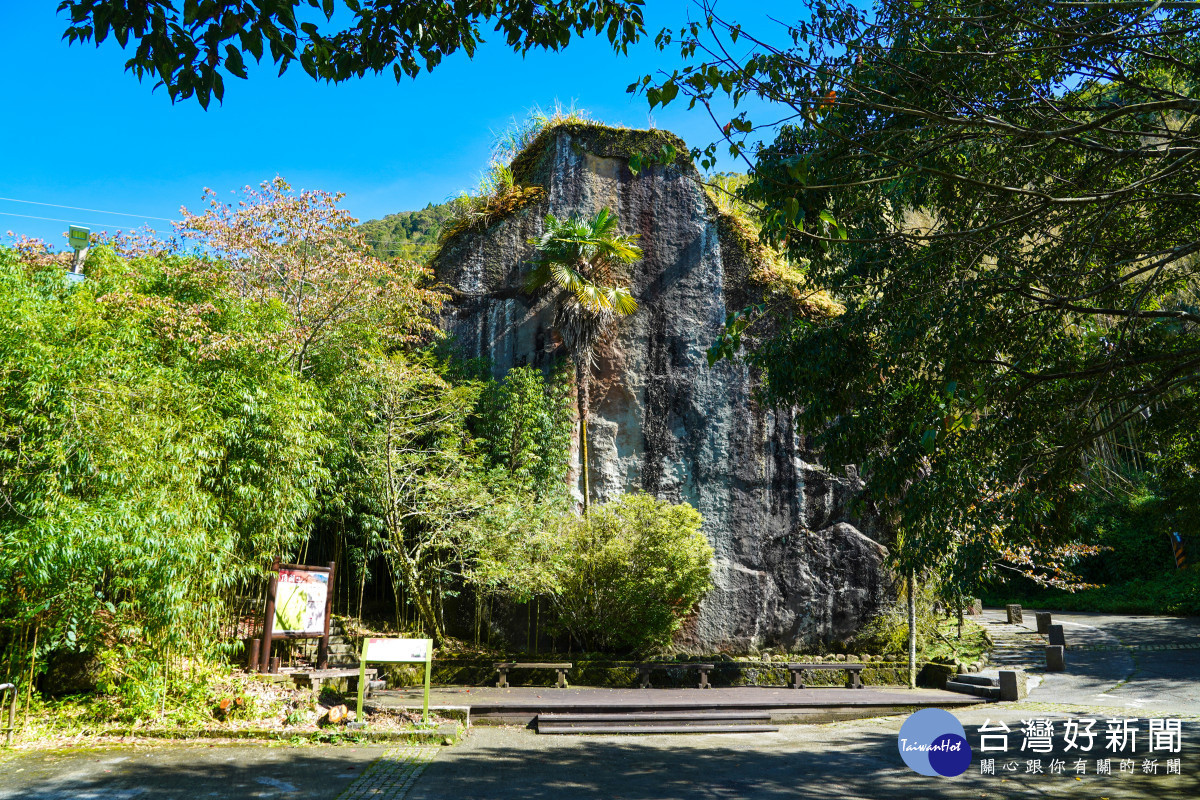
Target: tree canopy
1004	197
192	47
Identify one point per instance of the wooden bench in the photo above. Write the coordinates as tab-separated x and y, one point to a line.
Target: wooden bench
502	667
644	671
853	673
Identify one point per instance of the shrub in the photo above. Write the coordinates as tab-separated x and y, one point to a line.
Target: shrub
633	568
1176	592
887	632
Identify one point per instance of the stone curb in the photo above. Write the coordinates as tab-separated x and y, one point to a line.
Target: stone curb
451	730
1137	647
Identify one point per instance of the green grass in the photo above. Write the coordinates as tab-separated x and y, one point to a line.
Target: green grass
946	644
1172	593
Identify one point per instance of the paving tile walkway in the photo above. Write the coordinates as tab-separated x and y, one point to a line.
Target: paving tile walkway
392	775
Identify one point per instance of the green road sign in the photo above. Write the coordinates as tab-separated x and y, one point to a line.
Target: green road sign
79	237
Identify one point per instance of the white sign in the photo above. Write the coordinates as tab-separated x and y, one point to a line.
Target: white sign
398	650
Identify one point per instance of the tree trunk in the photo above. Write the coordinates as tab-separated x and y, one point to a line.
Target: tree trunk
424	602
585	379
362	587
912	629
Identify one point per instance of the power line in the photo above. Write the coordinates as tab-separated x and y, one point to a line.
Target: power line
56	219
376	242
77	208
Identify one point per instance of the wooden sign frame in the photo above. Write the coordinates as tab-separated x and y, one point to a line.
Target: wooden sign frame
269	634
393	651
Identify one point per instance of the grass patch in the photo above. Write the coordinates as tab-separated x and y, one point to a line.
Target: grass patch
1175	593
945	644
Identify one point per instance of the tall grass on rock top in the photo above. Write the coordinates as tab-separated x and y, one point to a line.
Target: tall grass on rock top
632	570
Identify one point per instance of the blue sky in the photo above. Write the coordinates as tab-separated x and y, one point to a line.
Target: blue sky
80	131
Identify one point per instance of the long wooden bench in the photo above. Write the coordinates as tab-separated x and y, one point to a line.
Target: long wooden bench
645	669
853	673
502	667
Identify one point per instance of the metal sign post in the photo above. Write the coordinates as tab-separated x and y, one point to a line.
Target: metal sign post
394	651
1177	549
80	239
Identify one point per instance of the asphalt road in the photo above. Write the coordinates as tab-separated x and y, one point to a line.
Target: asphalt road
1133	664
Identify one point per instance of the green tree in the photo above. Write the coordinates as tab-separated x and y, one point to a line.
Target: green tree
1003	196
412	467
192	49
582	260
524	426
154	456
411	235
630	572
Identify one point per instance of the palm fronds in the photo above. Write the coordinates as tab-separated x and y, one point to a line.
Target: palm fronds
582	258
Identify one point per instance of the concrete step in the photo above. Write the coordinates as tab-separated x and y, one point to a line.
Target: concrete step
663	728
977	680
658	722
990	692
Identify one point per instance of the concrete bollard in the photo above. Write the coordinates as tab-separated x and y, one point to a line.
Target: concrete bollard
976	608
1043	621
1014	614
1012	685
1056	635
1055	658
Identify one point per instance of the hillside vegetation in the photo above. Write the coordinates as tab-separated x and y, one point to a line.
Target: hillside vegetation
411	235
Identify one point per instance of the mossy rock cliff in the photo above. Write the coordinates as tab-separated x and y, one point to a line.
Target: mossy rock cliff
794	567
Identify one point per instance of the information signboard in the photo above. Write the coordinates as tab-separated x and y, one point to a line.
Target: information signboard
300	601
394	651
78	237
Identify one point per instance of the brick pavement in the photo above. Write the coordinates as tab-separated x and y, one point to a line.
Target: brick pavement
392	775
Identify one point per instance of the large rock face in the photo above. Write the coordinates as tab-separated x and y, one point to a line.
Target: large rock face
792	566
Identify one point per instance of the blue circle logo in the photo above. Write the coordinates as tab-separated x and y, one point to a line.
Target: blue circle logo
933	742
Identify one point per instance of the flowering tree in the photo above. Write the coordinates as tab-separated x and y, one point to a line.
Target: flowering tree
303	251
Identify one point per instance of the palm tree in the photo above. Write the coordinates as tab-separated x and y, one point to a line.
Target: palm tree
582	259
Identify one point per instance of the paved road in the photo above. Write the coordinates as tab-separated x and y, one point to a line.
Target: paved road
1126	672
183	772
1119	661
800	762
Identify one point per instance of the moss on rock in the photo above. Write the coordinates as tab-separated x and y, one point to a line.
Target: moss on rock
532	165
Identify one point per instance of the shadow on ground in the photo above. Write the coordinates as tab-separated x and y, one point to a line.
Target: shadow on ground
185	773
797	763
